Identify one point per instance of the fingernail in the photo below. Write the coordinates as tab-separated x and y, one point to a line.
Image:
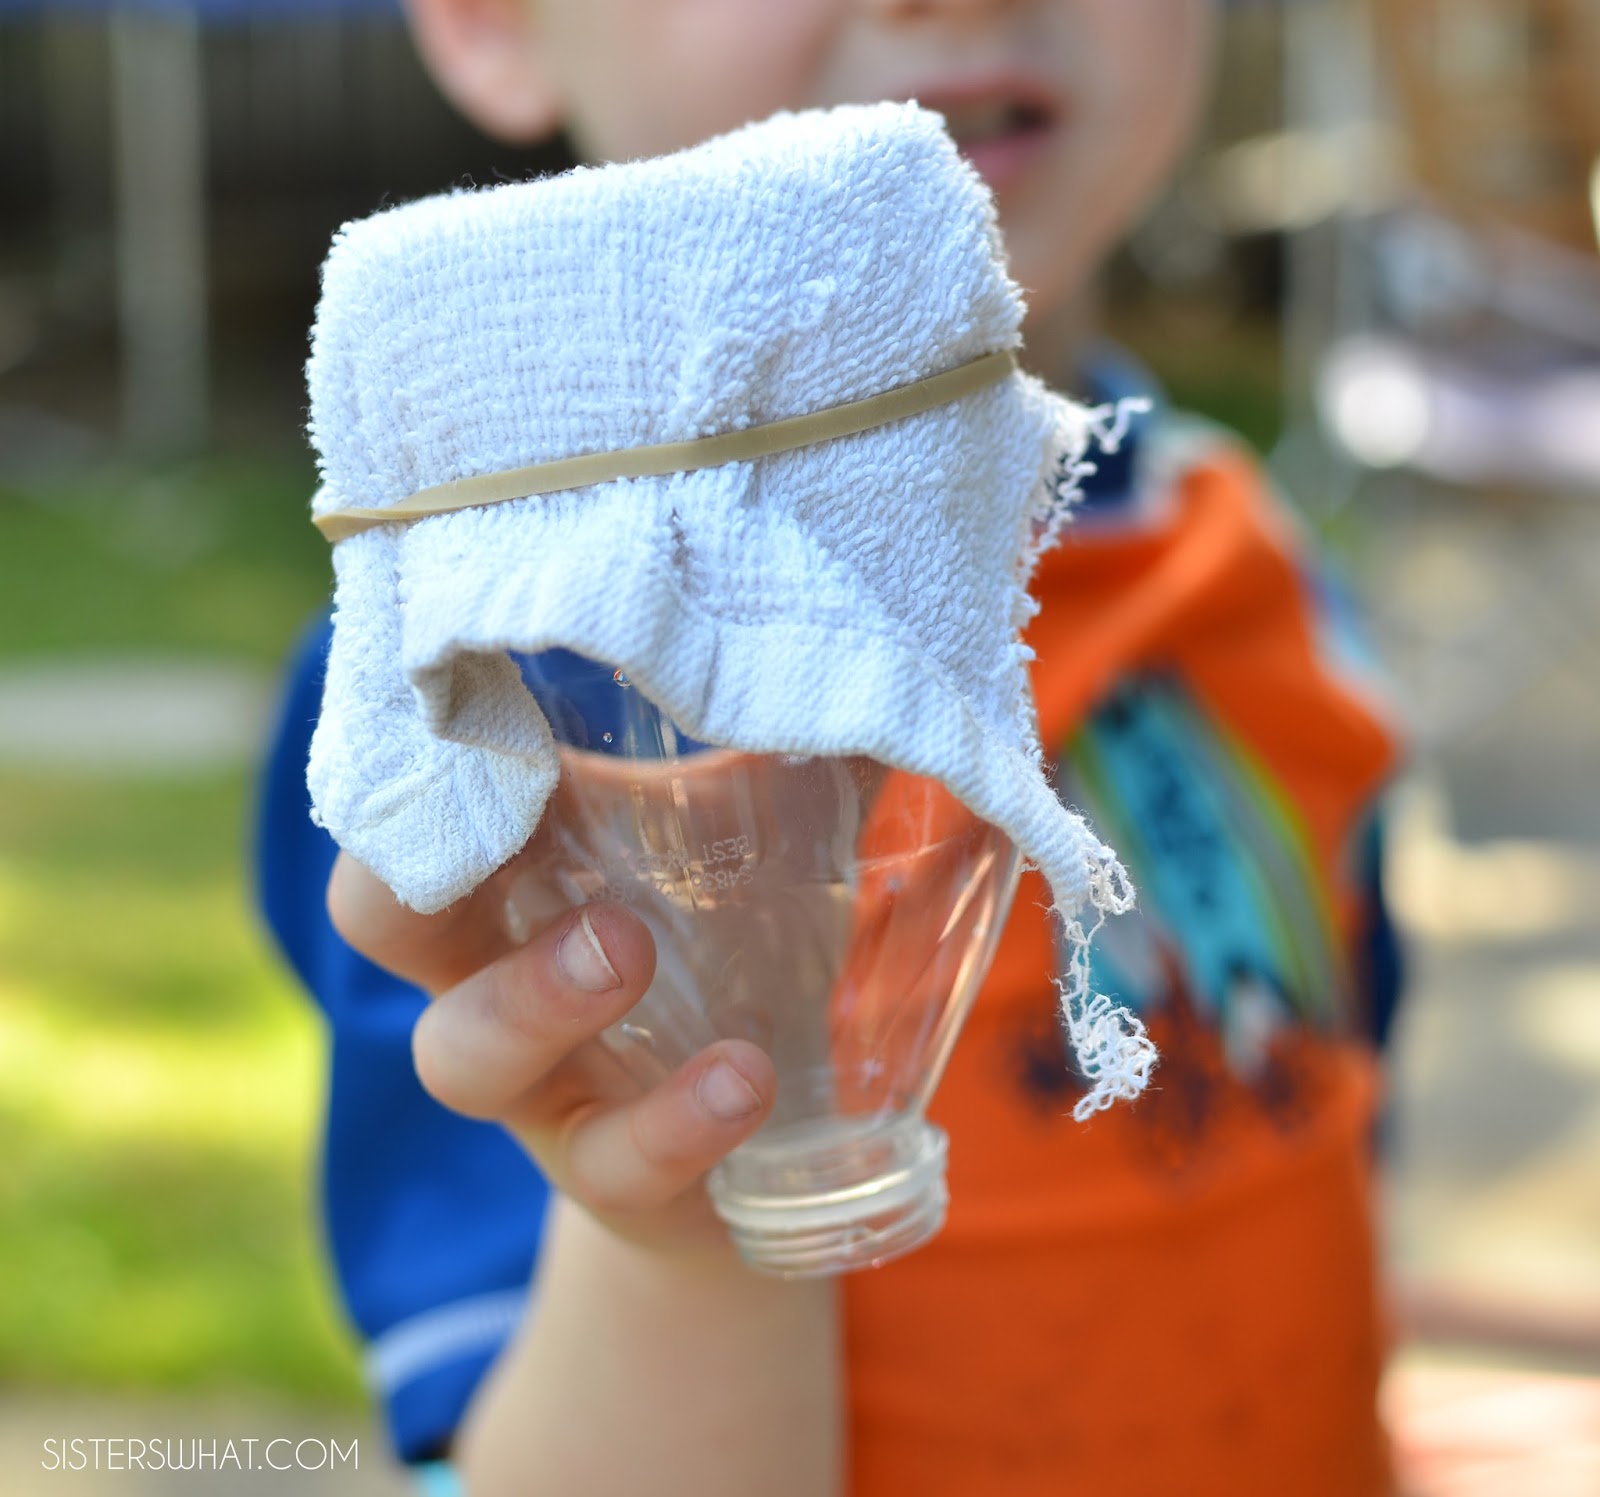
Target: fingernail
583	960
725	1094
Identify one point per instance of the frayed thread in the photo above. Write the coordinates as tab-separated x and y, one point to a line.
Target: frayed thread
1109	424
1113	1049
1114	1052
1061	484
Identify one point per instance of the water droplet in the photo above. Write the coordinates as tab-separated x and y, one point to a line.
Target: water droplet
620	678
605	738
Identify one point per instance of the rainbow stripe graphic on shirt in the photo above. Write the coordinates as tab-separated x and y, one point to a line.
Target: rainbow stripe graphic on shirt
1231	909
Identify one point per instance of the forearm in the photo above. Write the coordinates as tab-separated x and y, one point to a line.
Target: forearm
642	1373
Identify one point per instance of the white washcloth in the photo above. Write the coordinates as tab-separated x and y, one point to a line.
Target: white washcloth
859	596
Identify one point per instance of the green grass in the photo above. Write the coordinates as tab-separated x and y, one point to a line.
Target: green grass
213	558
160	1083
160	1076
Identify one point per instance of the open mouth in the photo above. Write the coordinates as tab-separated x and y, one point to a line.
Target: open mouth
1001	128
988	122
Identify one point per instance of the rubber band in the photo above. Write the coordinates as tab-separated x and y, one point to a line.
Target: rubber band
679	457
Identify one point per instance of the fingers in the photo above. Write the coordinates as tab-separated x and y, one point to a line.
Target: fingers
490	1038
432	951
643	1154
437	951
495	1046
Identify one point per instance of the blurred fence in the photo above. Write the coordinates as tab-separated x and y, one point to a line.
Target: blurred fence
169	180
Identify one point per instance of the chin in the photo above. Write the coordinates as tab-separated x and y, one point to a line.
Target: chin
1051	267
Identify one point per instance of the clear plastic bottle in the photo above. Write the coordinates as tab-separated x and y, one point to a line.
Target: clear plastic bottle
839	914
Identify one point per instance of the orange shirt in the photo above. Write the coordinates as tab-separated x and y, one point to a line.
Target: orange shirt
1179	1297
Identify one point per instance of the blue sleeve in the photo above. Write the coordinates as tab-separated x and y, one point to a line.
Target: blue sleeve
433	1220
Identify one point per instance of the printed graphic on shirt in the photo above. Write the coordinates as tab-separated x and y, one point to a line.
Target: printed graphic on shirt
1232	954
1224	874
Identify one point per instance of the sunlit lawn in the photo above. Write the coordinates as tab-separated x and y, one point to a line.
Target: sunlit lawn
160	1077
159	1085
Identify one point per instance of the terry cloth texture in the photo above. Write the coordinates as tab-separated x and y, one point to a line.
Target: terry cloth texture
860	596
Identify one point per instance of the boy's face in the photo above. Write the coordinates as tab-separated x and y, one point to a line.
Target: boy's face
1074	111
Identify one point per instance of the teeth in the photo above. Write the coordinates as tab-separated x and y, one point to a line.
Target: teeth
974	122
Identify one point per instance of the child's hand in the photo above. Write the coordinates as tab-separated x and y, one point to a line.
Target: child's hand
512	1037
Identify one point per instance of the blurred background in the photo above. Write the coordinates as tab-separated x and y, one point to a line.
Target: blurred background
1380	265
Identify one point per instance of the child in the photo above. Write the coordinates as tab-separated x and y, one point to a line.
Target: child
1179	1297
